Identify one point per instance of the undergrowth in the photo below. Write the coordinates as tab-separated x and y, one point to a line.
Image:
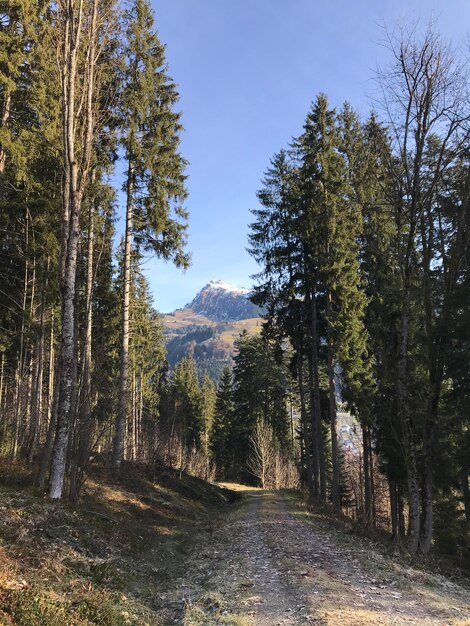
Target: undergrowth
108	561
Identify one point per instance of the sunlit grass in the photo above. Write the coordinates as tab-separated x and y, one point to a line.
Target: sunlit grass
106	561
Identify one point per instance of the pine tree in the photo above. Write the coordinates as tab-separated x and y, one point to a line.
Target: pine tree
208	406
276	243
29	186
259	393
187	401
223	425
155	181
147	362
322	175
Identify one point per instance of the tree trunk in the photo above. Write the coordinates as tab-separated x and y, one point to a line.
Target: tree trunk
392	486
6	397
403	412
37	392
85	405
50	382
372	484
401	513
2	374
133	441
367	481
83	434
22	351
76	178
52	401
313	420
427	526
6	108
466	494
119	436
67	359
51	434
316	399
305	432
36	400
335	488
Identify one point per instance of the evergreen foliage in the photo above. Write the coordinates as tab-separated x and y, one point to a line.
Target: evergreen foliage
259	393
363	247
223	425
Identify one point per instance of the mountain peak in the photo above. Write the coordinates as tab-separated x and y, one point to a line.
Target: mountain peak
221	301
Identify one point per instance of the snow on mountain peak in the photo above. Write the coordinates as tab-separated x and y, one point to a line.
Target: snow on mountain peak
222	301
221	284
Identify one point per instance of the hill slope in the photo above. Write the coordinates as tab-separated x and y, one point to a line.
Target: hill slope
109	561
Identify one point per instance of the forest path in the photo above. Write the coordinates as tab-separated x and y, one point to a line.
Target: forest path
271	563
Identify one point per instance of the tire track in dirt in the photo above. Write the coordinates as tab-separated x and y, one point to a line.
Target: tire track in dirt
266	565
274	601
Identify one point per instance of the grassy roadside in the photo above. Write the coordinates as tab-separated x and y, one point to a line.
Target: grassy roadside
377	558
113	560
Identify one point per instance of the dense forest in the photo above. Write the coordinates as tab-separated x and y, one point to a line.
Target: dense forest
362	235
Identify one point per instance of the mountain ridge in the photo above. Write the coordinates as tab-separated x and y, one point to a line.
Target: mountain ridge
208	326
221	301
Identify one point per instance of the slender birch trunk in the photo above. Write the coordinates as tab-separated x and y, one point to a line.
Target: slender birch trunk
22	351
77	161
121	419
37	388
50	382
85	413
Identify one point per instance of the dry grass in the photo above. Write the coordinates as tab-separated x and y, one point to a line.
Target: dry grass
238	487
108	561
229	331
211	610
185	317
233	329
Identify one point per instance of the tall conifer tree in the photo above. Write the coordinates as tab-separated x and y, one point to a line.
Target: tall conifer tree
155	181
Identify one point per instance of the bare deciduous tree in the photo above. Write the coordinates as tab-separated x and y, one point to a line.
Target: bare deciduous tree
262	462
425	95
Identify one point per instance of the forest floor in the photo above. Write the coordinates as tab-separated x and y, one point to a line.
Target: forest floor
274	562
163	548
108	560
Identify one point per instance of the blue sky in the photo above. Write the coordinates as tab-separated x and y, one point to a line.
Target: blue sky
247	71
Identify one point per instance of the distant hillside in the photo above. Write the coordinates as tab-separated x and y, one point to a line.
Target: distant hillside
208	326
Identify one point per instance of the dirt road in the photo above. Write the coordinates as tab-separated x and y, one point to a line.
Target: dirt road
273	563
